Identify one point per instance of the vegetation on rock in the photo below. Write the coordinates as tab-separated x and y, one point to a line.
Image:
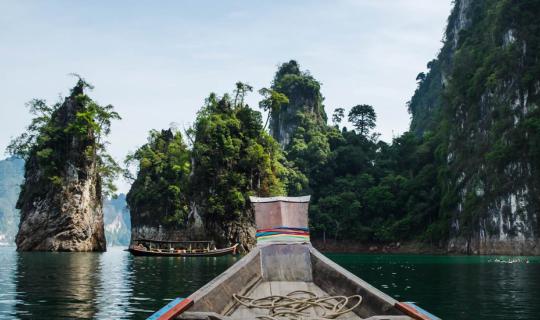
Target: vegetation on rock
67	173
47	142
159	194
231	158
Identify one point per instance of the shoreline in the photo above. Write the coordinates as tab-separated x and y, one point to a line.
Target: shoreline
331	246
409	247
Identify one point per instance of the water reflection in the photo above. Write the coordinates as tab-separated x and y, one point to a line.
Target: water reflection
161	279
116	285
58	285
111	285
8	268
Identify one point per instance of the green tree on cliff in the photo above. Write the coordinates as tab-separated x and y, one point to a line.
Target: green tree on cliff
160	190
363	117
337	116
272	102
233	158
47	136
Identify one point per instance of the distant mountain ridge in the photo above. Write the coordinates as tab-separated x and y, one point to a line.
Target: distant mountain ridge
117	221
11	175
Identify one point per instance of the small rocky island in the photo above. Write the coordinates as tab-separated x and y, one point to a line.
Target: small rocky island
66	174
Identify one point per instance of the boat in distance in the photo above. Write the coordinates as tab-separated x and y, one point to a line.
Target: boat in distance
146	247
285	278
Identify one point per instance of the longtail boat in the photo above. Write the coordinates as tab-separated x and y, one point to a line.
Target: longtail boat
146	247
284	277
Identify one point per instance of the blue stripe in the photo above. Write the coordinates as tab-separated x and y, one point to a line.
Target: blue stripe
166	308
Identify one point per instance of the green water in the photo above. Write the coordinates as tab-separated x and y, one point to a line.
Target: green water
116	285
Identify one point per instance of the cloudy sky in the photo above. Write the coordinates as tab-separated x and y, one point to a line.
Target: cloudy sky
156	61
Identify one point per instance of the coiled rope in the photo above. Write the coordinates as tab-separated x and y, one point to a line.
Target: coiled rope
294	305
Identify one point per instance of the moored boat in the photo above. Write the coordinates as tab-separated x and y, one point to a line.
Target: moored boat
146	247
284	277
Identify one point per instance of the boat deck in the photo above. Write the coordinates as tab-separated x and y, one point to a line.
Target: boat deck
268	288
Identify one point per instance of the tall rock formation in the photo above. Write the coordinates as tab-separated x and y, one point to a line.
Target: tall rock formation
202	193
157	198
61	198
305	98
481	99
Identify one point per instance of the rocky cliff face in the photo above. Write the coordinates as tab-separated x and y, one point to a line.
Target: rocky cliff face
303	92
202	193
425	104
157	198
481	98
61	201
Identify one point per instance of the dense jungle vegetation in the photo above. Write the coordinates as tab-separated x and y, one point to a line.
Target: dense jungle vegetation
362	188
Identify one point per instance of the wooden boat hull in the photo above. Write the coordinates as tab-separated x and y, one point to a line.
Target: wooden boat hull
283	268
212	253
281	265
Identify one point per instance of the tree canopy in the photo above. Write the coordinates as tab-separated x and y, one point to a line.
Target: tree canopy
48	137
363	117
160	190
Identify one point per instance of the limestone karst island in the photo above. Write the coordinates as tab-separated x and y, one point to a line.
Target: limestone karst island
278	160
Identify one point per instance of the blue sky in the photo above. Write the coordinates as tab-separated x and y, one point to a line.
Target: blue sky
156	61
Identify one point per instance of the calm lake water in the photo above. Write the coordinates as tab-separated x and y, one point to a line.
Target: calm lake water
116	285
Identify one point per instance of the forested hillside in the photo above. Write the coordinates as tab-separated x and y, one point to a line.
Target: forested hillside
480	99
466	176
363	188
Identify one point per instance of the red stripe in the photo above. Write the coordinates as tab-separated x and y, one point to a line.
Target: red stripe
411	311
283	231
280	232
177	309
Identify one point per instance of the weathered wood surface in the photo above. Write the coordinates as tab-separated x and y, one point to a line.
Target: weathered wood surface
216	296
214	301
243	312
335	280
286	262
283	211
281	268
283	288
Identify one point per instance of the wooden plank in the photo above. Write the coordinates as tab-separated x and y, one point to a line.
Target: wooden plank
286	262
280	211
216	296
283	288
320	292
335	280
243	312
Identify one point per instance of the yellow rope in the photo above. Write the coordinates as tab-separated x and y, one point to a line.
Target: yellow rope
293	305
